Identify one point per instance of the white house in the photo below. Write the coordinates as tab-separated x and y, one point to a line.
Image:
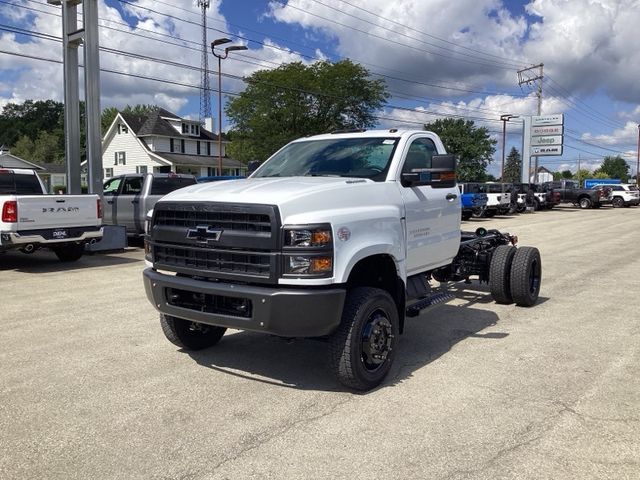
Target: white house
163	142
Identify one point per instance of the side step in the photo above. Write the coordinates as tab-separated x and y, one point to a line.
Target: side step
415	308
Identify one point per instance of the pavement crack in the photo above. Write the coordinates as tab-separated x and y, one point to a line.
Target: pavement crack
257	440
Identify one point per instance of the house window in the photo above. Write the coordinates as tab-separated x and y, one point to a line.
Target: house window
120	158
141	169
122	128
185	128
209	148
108	172
171	145
198	147
182	145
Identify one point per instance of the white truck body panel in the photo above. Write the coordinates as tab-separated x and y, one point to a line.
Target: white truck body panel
417	226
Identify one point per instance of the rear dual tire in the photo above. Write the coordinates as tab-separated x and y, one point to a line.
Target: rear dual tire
515	275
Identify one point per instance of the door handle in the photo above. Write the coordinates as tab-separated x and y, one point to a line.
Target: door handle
451	196
110	202
135	201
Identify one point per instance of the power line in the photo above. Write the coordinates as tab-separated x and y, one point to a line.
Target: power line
503	65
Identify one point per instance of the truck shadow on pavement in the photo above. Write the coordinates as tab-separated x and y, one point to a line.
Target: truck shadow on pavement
303	363
478	293
44	261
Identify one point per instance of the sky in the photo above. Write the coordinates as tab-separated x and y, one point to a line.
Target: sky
438	58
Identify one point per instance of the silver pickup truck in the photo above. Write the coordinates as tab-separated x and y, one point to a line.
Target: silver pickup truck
129	197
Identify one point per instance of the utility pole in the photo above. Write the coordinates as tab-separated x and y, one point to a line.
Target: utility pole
530	76
579	172
638	162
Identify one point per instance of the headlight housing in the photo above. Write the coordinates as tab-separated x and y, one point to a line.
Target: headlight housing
308	251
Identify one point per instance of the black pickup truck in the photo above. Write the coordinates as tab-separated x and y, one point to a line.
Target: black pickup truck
570	192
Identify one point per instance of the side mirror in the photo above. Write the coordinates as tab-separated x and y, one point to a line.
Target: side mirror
442	173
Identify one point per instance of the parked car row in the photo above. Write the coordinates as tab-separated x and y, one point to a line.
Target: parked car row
490	199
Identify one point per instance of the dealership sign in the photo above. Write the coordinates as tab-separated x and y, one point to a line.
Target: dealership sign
547	120
542	137
546	151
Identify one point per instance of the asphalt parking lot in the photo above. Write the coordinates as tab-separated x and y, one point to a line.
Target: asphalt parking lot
90	388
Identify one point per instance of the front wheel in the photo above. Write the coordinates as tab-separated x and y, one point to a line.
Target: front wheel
618	202
363	347
190	335
526	276
585	202
69	252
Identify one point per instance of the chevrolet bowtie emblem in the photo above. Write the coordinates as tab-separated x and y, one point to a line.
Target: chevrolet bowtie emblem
204	234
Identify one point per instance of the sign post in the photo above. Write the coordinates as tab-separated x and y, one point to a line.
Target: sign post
542	136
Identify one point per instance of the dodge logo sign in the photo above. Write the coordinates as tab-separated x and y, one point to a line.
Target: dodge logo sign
204	234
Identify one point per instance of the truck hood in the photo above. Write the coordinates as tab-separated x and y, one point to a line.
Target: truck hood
293	195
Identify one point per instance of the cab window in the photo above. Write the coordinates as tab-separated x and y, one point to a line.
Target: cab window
112	186
132	186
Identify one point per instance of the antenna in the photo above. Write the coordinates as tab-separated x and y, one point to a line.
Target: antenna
205	88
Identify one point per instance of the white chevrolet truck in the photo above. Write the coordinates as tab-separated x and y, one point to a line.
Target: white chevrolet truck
31	219
336	236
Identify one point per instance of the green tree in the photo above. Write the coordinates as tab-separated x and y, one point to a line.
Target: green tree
512	166
295	100
566	174
30	118
23	148
46	148
581	174
109	114
472	144
615	167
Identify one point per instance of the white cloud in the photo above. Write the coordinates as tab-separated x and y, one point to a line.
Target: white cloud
588	46
619	137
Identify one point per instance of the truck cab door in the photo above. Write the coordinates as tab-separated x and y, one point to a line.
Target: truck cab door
129	201
432	215
111	189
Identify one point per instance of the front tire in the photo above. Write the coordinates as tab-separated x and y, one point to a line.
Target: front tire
526	276
190	335
618	202
69	252
363	347
500	274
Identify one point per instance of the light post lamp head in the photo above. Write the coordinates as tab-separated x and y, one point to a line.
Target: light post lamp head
234	48
507	117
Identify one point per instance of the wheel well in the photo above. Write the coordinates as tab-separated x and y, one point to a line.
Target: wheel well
379	271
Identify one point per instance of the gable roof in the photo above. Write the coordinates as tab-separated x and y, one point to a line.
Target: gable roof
156	123
8	160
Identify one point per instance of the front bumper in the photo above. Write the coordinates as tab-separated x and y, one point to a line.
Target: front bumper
287	312
47	237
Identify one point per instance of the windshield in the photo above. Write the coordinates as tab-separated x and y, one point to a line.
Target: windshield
340	157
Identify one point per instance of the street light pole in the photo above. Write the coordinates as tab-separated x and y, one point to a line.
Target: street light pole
220	57
504	119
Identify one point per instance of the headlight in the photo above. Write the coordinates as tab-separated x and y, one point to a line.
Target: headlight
148	254
311	237
308	251
308	265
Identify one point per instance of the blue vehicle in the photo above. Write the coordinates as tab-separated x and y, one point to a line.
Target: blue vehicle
217	178
472	200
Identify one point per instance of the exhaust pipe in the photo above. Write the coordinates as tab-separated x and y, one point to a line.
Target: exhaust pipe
28	248
93	241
